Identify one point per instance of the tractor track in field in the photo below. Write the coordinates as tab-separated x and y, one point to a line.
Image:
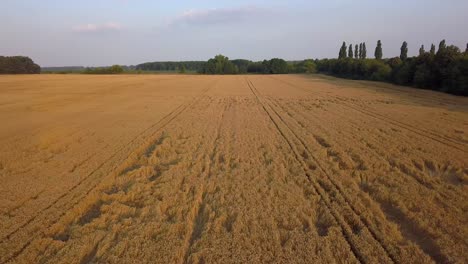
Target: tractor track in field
195	228
319	188
442	139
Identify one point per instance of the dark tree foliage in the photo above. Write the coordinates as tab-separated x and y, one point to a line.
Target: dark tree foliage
466	50
182	69
194	66
403	51
242	65
342	53
18	65
421	50
220	65
356	52
378	51
442	46
350	51
364	51
432	52
256	67
306	66
356	69
360	50
275	66
445	71
115	69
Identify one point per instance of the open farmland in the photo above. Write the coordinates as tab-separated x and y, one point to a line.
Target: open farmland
242	169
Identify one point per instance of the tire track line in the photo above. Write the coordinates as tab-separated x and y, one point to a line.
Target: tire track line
376	153
343	226
194	234
421	132
453	142
388	247
341	192
169	117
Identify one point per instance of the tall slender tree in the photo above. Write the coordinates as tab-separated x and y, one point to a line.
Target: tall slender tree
356	51
350	51
342	53
378	51
432	52
421	50
360	50
466	50
442	46
403	51
364	51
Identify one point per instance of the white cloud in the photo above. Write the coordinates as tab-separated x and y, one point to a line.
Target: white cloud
97	28
216	15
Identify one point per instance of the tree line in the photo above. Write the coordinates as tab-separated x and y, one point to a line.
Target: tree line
175	66
443	70
114	69
18	65
222	65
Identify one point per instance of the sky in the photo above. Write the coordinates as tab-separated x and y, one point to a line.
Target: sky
129	32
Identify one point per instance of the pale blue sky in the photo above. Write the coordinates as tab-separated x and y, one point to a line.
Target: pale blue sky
104	32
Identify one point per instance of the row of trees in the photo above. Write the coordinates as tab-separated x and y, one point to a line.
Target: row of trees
360	51
444	70
222	65
180	66
18	65
115	69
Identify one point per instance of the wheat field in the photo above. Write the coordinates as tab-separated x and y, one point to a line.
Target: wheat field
230	169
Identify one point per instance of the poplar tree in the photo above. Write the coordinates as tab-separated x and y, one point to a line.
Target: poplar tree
442	46
360	50
342	54
364	51
356	51
350	51
378	51
432	49
421	50
403	51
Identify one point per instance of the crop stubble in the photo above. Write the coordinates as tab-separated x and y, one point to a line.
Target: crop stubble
201	169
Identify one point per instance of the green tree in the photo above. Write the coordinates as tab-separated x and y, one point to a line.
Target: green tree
309	66
403	51
466	50
360	50
421	50
182	69
18	65
442	46
432	52
342	53
278	66
116	69
364	51
378	51
356	51
350	51
220	65
242	65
